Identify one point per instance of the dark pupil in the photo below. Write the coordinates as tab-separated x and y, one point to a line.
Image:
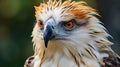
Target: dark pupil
68	24
40	23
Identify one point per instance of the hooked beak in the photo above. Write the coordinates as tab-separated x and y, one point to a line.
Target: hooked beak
48	34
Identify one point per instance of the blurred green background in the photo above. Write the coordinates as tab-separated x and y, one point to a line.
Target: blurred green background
17	21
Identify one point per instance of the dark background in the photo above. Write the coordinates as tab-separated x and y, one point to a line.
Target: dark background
17	21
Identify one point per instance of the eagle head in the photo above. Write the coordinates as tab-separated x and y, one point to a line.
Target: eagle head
67	21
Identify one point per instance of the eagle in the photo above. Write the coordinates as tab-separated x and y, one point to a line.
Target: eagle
69	34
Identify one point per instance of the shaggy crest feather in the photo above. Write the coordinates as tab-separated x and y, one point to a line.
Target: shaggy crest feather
86	46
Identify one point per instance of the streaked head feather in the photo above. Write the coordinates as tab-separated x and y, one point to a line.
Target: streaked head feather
77	9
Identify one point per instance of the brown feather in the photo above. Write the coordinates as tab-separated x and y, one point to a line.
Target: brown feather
111	61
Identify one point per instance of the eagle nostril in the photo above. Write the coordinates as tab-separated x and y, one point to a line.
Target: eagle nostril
52	27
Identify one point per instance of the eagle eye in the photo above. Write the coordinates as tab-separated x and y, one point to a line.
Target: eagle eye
40	24
69	24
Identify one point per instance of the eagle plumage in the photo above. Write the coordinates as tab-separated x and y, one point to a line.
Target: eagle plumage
68	34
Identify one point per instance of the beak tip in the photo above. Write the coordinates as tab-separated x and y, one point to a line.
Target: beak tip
46	43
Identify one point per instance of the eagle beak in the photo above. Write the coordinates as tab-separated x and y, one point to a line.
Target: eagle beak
48	34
